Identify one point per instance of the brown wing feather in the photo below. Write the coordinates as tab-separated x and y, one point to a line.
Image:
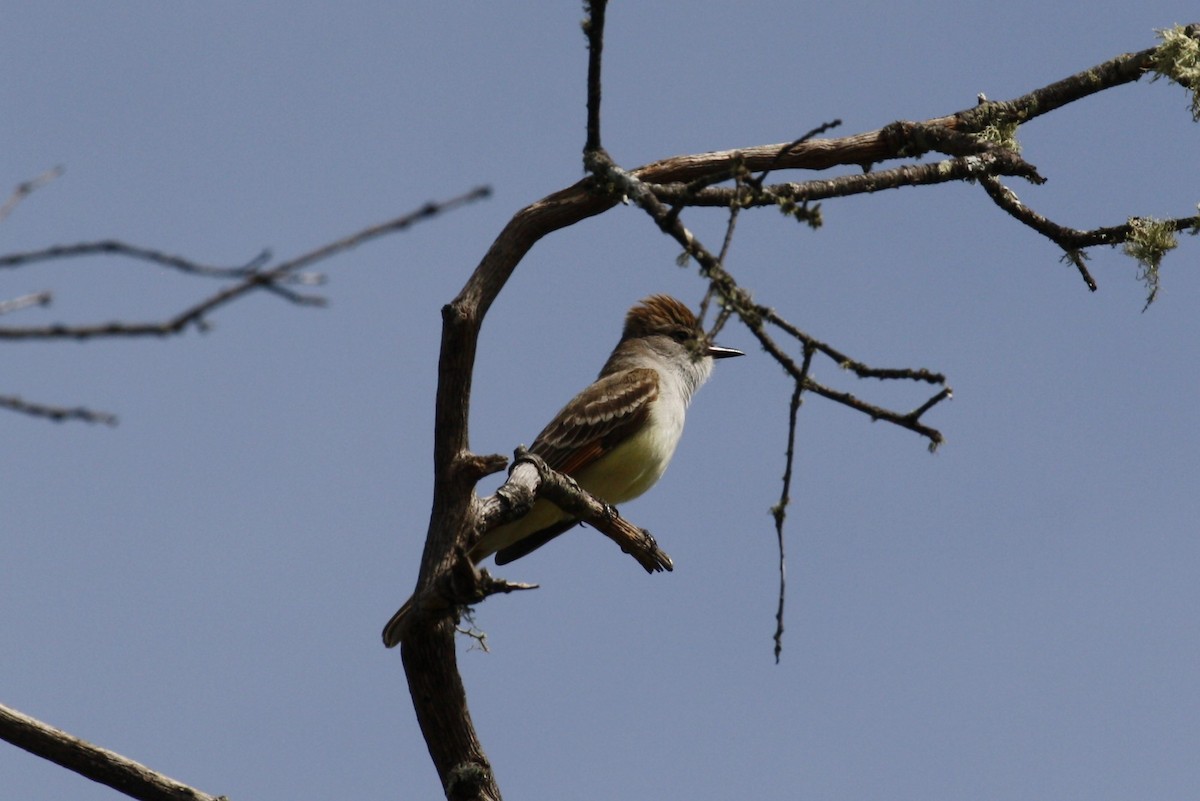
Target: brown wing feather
592	424
527	545
597	420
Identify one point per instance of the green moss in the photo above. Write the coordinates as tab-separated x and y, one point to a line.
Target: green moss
1002	133
1149	240
1178	60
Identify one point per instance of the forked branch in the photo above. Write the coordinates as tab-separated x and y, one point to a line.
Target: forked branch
254	275
251	277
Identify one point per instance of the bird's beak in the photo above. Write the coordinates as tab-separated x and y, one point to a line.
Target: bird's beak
718	352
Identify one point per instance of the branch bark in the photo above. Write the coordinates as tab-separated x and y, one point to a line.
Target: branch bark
98	764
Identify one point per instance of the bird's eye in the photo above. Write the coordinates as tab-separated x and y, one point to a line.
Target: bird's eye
681	335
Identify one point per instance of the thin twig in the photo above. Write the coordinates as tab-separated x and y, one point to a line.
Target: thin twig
779	511
738	300
58	414
264	279
26	188
25	301
758	181
858	368
907	420
115	247
593	28
1071	240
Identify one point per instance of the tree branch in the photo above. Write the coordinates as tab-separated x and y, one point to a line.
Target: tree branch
1072	240
98	764
779	510
58	414
529	479
27	188
115	247
25	301
567	495
252	277
965	168
593	29
753	315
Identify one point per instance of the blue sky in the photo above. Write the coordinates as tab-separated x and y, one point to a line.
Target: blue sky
201	588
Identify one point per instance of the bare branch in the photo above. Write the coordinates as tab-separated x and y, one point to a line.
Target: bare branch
813	133
1123	69
786	195
753	315
892	142
58	414
114	247
428	211
1073	240
567	495
529	479
593	28
735	298
26	188
98	764
910	420
859	369
252	275
25	301
270	279
779	511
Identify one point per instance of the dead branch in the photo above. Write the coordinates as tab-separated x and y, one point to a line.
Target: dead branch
529	478
58	414
98	764
26	188
779	510
254	275
570	497
115	247
25	301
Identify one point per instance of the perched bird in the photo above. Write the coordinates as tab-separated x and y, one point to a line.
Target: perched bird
616	437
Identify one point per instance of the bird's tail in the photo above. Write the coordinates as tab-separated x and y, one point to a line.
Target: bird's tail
395	627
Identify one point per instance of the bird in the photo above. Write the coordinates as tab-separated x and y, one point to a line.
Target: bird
617	436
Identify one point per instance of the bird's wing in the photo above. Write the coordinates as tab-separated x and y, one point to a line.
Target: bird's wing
597	420
528	544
